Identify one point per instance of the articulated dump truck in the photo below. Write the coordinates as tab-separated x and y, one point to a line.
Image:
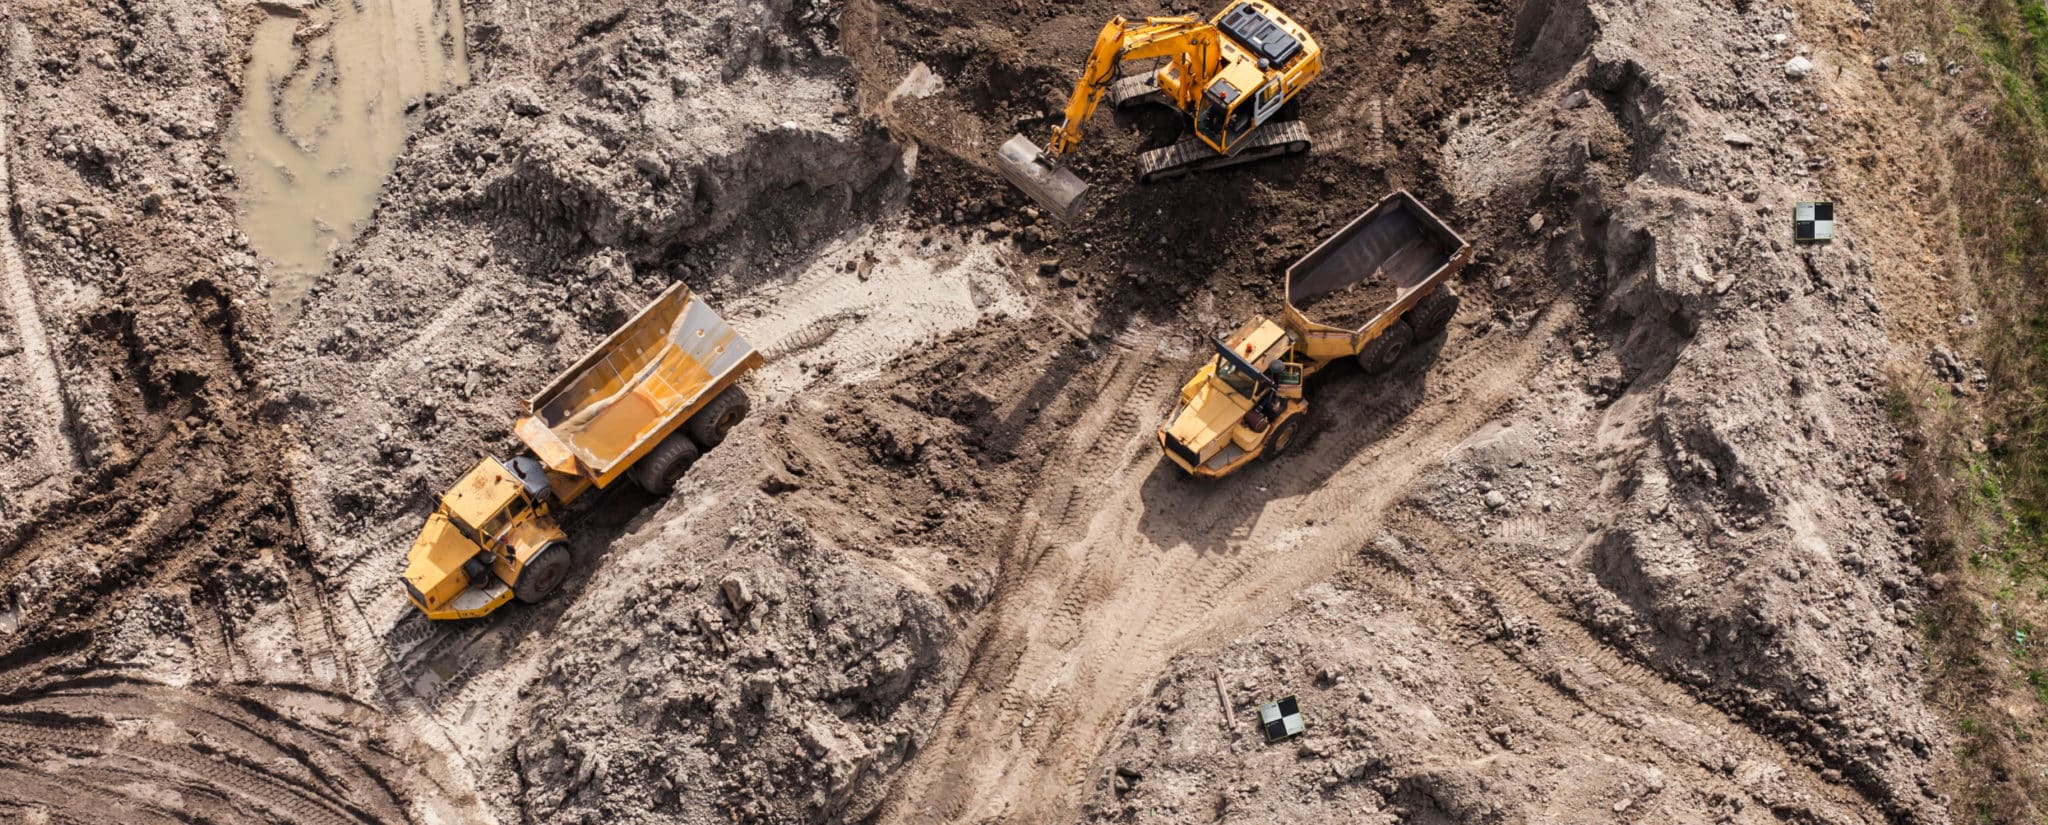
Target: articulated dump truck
1376	286
643	404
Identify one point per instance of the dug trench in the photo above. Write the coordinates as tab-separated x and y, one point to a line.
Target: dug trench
941	574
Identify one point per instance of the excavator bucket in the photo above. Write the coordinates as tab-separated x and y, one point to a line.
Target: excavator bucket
1057	190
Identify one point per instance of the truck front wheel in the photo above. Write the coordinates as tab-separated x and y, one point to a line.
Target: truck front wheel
1283	437
542	573
709	426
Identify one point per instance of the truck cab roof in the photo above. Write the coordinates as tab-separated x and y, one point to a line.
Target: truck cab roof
482	493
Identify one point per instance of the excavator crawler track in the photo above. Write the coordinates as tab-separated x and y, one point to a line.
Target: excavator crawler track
1192	155
1136	90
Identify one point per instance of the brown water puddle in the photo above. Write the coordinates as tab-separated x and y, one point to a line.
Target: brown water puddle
322	120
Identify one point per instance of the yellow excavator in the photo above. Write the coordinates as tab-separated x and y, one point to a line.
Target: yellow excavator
1229	75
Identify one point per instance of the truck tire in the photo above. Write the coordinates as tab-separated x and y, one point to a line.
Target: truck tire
1434	312
709	426
1382	353
542	573
663	466
1283	437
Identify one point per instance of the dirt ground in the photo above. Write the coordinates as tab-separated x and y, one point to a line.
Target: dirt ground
1618	546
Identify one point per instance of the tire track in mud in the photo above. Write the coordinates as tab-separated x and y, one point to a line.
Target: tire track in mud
1562	654
51	430
209	754
1159	563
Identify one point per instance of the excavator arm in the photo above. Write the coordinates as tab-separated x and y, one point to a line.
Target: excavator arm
1193	45
1190	41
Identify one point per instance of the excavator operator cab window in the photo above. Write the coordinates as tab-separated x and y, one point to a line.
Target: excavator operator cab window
1240	123
1215	112
1269	94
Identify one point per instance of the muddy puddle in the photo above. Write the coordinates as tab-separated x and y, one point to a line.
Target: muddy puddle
323	118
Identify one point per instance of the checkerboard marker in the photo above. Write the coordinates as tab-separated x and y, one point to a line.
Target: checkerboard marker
1280	720
1813	222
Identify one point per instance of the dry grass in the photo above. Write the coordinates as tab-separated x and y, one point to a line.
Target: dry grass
1978	472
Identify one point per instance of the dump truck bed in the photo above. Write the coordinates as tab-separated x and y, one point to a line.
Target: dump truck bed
643	381
1390	256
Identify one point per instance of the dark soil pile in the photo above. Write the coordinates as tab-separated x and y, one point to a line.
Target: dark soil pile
1351	306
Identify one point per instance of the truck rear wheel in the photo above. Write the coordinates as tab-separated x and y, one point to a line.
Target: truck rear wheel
1382	353
663	466
717	418
542	573
1433	312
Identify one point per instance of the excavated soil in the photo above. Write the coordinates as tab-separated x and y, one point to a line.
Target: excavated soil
1350	307
1617	546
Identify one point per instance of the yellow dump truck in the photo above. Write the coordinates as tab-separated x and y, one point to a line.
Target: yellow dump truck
1364	293
643	404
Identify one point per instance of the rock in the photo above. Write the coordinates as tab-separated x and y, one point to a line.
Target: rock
1945	365
1536	222
1737	140
1494	500
1798	67
1914	58
651	165
523	102
1884	64
778	483
1576	100
736	595
1051	267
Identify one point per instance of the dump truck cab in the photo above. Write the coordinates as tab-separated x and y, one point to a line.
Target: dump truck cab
1244	402
484	534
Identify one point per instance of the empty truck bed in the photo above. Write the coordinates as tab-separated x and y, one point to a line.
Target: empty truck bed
636	387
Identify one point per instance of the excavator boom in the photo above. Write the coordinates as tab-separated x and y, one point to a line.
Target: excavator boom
1189	41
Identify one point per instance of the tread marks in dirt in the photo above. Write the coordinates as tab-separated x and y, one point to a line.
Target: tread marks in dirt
1161	563
221	759
18	299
